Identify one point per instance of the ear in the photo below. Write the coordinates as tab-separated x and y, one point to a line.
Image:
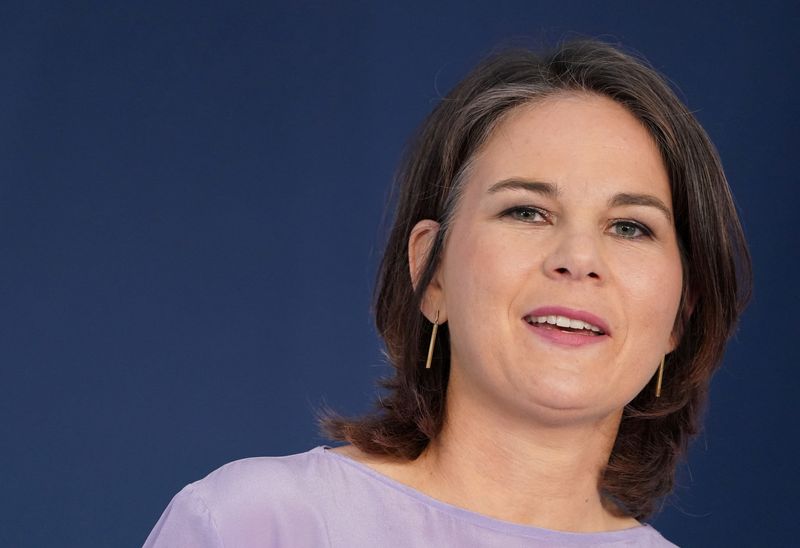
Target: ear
686	314
420	243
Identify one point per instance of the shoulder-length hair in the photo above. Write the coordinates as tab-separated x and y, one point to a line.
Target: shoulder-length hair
654	432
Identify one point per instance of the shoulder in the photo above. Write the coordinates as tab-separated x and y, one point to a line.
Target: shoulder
655	539
258	477
253	498
260	486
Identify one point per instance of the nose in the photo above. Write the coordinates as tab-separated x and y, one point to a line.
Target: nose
575	256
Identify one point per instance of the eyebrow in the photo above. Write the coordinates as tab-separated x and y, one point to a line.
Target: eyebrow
627	198
550	190
547	189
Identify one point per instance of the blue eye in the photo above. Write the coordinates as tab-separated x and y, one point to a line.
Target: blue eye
526	214
631	230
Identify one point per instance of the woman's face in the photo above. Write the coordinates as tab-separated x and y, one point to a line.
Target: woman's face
566	215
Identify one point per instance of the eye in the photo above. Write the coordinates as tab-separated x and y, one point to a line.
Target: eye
631	230
526	214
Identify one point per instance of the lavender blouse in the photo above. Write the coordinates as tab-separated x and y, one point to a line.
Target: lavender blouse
322	499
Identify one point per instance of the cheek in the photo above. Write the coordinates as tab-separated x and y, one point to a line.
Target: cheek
482	274
483	270
654	295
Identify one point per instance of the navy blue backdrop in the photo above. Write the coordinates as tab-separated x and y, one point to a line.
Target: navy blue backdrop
191	199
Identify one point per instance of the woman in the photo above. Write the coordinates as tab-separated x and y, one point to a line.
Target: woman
565	267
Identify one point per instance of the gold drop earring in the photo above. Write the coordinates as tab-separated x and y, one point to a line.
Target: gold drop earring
433	341
660	376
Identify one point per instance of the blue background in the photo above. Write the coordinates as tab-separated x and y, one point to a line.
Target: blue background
191	216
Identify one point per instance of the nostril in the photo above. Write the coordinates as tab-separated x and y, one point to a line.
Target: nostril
593	275
562	270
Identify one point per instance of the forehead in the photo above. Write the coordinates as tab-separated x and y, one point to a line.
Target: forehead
581	141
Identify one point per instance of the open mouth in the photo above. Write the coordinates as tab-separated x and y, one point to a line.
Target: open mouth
564	324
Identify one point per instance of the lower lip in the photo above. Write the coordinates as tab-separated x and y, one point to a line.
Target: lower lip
565	338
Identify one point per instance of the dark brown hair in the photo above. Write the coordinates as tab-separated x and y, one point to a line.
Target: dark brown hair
654	433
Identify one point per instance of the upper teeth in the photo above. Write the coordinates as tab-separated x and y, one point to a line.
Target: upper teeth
563	321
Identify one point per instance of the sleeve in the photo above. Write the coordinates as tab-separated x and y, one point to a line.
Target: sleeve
185	522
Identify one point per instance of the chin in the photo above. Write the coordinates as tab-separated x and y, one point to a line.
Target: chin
568	404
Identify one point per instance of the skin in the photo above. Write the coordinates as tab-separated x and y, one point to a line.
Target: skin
530	423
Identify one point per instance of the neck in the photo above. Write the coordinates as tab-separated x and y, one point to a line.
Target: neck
519	471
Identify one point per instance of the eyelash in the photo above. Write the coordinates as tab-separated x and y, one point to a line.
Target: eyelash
645	231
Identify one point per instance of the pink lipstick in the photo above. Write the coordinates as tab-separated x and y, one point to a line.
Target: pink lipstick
567	326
